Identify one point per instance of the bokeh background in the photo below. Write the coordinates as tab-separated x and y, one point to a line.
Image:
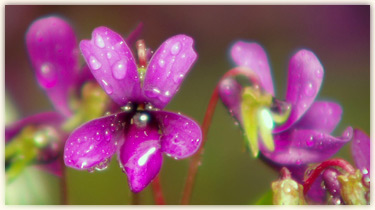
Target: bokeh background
339	35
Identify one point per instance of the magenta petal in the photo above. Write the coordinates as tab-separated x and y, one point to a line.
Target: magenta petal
360	147
299	146
230	95
253	56
45	118
322	116
167	69
140	156
52	48
94	142
304	80
181	136
112	64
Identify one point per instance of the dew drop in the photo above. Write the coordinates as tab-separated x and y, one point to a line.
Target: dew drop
119	70
176	48
161	63
109	55
47	76
107	87
319	73
95	64
298	162
107	135
99	41
309	89
97	136
310	141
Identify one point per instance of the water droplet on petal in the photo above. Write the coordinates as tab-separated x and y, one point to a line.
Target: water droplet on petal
94	63
109	55
319	73
309	89
119	69
99	41
161	63
47	76
98	136
310	141
176	48
107	87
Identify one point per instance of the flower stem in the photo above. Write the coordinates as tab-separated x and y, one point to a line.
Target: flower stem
195	161
158	192
324	165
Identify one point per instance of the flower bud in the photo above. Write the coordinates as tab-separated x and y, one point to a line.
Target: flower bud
287	191
353	191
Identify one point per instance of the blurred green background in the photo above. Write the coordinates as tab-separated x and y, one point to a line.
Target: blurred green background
339	36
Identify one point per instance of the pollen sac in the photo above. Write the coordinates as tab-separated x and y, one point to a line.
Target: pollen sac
286	191
353	191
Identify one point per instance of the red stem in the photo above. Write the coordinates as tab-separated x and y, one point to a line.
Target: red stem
158	192
195	161
322	166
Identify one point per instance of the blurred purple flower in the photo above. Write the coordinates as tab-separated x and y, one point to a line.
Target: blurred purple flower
304	137
142	132
53	51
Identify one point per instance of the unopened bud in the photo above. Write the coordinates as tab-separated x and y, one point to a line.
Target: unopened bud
286	191
353	191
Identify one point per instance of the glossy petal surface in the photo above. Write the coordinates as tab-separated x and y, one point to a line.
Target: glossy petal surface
140	156
299	146
305	77
53	51
45	118
181	136
167	69
253	56
112	64
322	115
94	142
360	147
230	95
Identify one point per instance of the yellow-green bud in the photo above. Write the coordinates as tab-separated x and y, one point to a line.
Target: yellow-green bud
353	191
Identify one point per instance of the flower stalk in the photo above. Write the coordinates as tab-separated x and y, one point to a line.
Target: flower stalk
324	165
195	161
157	191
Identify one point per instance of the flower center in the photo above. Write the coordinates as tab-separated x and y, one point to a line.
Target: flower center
259	112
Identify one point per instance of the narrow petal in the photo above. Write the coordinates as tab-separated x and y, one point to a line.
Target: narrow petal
230	95
253	56
181	136
360	147
53	52
299	146
167	69
94	142
112	64
305	77
140	156
323	116
45	118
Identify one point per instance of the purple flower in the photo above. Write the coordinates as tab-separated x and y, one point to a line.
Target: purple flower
304	136
142	132
53	52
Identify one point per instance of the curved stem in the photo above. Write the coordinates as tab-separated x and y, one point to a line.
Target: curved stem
195	161
157	191
322	166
